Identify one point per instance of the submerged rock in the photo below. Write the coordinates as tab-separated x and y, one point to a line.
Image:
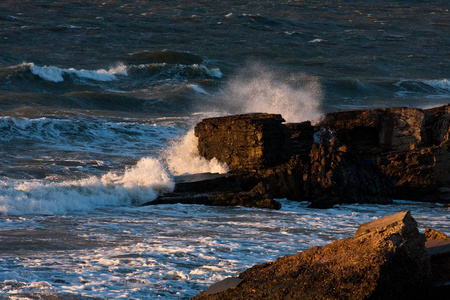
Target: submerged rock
386	259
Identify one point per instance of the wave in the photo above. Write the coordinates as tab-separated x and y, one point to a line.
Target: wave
423	86
88	134
130	75
182	158
164	56
135	186
55	74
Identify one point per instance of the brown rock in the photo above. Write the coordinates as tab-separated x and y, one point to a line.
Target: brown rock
380	264
245	142
223	285
431	234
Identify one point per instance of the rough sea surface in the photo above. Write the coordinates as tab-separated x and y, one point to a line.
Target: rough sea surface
97	104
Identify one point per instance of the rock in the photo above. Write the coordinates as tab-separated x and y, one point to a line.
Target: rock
258	197
439	250
387	261
207	182
342	177
431	234
419	173
378	130
223	285
245	142
302	137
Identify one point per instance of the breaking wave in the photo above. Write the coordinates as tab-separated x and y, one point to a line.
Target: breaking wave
136	185
257	88
182	158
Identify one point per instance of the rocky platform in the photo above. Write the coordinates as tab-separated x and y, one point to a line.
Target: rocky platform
386	259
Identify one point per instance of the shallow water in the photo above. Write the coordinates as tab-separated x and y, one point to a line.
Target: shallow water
97	104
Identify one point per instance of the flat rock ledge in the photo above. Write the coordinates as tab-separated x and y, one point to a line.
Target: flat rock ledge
386	259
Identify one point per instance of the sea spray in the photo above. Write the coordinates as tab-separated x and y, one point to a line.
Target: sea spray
182	158
258	88
136	185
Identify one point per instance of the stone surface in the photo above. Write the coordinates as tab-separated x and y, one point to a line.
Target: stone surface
385	223
245	142
343	177
207	182
380	264
223	285
431	234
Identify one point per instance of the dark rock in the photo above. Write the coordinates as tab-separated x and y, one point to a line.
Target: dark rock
375	131
386	261
419	173
257	197
337	174
439	250
223	285
207	182
245	142
302	137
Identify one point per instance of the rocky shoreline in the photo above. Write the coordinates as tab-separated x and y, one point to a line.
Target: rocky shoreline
386	259
361	156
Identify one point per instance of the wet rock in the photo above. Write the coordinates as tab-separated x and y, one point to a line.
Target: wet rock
388	260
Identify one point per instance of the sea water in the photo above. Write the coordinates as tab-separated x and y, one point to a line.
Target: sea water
98	100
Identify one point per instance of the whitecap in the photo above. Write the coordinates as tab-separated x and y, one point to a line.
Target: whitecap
55	74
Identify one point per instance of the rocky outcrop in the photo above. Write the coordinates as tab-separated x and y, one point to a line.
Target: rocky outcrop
286	157
245	142
386	259
338	176
410	145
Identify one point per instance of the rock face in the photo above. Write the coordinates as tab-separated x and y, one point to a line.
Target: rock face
245	142
259	147
410	145
386	259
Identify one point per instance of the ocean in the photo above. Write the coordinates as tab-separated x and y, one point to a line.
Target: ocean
98	101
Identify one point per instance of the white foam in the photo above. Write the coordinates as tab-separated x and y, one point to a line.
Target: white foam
136	185
198	89
442	84
297	97
316	41
55	74
213	72
182	158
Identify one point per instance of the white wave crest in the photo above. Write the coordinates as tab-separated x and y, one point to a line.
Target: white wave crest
182	158
441	84
137	185
297	97
55	74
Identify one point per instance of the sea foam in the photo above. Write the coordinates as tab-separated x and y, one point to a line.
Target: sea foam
138	184
182	158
